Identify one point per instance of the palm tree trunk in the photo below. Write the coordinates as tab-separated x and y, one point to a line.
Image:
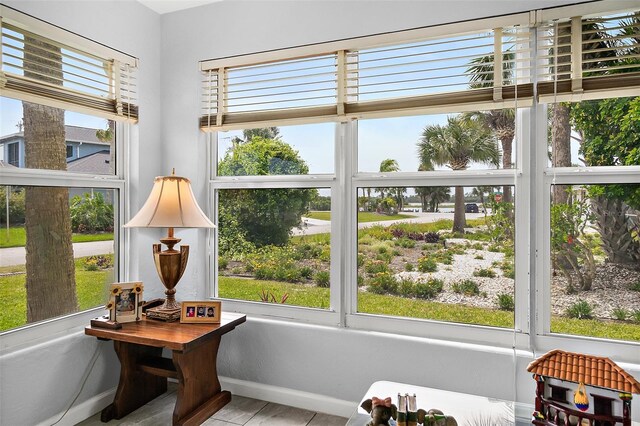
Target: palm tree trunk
459	218
50	281
507	152
560	146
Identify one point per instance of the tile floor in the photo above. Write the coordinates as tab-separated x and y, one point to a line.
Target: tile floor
240	411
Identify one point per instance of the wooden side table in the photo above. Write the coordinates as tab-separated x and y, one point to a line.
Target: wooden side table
144	372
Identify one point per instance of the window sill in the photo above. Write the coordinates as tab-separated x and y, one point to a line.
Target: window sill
33	334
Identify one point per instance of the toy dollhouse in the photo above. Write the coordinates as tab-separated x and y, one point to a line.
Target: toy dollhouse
578	389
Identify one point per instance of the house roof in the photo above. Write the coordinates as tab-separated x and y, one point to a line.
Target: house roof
72	134
588	369
97	163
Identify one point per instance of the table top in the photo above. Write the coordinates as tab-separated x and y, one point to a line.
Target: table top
465	408
171	335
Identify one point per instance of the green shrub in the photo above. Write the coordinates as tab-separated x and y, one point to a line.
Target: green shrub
426	264
381	248
379	232
494	248
408	267
635	286
635	315
479	257
620	314
384	257
429	289
223	262
91	213
360	280
322	278
306	272
581	310
308	250
405	243
407	288
16	205
383	283
97	262
505	302
395	252
375	267
477	246
484	272
467	287
360	260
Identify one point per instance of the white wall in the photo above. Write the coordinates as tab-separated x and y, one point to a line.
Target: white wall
38	382
330	361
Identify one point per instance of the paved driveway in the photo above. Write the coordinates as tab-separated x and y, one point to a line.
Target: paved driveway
16	255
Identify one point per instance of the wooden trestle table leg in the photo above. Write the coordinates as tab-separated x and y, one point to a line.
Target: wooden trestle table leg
199	393
136	387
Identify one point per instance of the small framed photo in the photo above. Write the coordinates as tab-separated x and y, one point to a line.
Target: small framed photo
125	302
201	311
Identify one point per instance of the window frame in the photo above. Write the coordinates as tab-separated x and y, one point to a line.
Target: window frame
531	179
44	330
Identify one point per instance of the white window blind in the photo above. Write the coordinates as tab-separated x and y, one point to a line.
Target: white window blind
478	65
38	65
589	57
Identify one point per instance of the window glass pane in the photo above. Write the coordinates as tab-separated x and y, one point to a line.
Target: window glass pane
595	252
603	132
468	141
56	251
421	254
38	137
274	245
291	150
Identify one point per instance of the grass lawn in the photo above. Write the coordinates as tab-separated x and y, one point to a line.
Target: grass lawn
18	238
91	288
362	216
316	297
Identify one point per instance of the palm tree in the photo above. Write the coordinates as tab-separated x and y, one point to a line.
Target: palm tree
50	278
389	165
501	121
462	141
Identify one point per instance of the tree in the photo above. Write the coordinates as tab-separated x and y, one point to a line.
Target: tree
462	141
610	135
50	280
264	216
386	166
431	196
501	121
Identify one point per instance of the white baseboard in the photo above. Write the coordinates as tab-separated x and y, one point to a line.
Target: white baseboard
295	398
82	411
305	400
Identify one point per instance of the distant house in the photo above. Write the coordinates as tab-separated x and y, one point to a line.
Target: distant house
85	152
606	402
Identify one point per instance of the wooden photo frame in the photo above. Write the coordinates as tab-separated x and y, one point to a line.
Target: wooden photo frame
125	302
201	311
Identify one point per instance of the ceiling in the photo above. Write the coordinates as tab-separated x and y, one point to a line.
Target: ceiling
168	6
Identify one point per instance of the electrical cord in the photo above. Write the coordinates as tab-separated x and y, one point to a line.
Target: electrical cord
87	372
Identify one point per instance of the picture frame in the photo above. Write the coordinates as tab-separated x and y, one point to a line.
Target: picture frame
125	302
200	311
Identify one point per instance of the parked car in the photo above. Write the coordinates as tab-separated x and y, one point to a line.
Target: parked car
471	208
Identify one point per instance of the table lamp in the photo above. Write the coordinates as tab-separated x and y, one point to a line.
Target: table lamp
171	204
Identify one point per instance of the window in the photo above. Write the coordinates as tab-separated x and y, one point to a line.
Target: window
274	235
62	243
412	262
558	393
449	174
14	154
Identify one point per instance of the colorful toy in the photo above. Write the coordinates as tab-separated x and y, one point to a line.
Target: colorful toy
602	391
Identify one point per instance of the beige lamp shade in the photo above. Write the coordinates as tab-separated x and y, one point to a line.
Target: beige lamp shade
171	204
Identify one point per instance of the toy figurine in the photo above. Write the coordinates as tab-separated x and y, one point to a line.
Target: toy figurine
381	410
435	417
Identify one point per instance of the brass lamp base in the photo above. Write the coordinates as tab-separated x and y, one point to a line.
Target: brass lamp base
170	265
